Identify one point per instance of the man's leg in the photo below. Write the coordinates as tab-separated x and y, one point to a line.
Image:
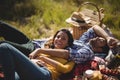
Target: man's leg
10	33
13	60
26	49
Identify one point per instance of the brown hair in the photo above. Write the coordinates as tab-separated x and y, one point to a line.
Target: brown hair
50	44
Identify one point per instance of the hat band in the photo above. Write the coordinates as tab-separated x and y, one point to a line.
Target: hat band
77	20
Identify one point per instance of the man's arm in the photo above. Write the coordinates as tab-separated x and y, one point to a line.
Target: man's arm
100	31
112	42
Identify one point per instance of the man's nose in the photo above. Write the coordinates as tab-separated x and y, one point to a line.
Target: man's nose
60	39
97	37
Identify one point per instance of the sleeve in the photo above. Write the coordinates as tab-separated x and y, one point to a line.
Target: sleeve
39	43
60	64
81	55
65	68
89	34
108	31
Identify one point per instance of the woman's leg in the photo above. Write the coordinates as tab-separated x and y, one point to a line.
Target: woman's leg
10	33
13	60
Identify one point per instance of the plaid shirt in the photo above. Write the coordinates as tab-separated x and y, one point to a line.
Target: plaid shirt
81	51
39	43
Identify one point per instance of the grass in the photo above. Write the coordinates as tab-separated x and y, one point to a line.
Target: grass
50	15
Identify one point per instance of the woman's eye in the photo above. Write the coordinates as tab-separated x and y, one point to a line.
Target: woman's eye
62	38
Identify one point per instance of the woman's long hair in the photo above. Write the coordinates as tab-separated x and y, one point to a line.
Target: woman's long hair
50	43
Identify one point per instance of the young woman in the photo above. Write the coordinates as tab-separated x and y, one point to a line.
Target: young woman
20	41
41	66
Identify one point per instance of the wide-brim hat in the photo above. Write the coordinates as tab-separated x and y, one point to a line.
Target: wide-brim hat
76	19
84	17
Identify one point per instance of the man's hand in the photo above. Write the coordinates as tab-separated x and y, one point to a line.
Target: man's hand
112	42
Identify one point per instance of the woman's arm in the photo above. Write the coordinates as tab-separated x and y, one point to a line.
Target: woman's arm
34	54
63	68
61	53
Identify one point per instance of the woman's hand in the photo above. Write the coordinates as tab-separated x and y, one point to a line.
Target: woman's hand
34	53
41	63
38	62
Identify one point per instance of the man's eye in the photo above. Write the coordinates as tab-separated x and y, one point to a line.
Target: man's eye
63	38
58	36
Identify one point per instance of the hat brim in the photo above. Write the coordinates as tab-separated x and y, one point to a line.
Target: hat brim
74	23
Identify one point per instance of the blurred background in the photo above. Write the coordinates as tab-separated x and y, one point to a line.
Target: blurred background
42	18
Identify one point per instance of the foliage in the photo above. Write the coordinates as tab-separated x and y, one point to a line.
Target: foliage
41	18
16	9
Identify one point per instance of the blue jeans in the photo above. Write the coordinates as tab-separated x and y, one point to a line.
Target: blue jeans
13	61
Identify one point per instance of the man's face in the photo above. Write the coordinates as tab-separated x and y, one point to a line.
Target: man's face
97	43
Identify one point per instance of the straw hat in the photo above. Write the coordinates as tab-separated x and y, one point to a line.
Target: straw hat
85	17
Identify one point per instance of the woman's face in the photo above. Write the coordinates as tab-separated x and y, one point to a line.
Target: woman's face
61	40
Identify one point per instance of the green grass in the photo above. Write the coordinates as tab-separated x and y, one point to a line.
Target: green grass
116	33
42	18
